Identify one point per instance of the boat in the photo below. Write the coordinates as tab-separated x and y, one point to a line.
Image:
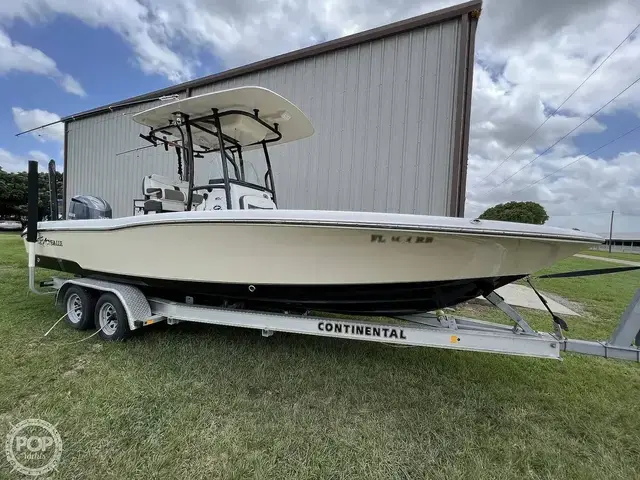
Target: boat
223	241
10	226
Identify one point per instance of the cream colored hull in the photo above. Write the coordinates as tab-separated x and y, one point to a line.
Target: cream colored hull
299	254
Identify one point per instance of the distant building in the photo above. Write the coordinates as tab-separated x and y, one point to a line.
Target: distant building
621	242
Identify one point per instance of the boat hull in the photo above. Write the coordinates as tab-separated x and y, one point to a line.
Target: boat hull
377	298
341	267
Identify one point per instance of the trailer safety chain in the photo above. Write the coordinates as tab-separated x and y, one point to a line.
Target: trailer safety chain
54	325
75	341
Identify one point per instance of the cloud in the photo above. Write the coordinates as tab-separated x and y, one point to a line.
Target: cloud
12	163
520	77
18	163
581	196
22	58
28	119
41	157
71	85
140	25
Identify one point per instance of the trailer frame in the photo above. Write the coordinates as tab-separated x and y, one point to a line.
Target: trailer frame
438	329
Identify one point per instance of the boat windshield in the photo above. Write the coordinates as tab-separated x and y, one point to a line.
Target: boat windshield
251	174
234	168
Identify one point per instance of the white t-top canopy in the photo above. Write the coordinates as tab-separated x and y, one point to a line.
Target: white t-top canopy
293	124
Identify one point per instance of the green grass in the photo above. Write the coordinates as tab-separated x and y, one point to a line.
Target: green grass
632	257
192	401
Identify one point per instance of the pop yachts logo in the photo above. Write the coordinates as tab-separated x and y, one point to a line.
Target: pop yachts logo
400	239
33	447
47	242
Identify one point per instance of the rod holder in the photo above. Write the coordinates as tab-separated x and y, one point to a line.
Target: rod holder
32	198
53	191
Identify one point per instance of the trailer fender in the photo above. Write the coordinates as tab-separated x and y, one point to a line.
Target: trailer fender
132	299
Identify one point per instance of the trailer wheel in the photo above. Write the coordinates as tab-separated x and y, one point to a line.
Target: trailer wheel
80	306
111	318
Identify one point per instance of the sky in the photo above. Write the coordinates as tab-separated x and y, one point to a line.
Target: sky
59	57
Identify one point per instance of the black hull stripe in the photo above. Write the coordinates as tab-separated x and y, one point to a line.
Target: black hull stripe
381	299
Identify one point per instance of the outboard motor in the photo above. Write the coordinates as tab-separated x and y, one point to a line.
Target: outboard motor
86	207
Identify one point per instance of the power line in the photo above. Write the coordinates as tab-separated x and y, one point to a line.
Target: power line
580	214
596	213
563	102
579	158
566	135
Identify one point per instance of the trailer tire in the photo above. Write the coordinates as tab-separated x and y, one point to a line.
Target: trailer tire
111	318
79	303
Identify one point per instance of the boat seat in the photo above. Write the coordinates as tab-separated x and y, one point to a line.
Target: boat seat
157	186
163	194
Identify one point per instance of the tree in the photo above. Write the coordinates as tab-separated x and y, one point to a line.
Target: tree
14	198
520	212
13	191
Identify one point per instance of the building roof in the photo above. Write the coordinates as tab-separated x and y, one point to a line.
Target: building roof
626	236
427	19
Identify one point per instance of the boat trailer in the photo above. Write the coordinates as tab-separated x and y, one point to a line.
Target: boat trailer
117	309
120	309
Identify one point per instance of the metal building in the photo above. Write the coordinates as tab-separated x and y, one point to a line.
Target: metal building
625	242
390	107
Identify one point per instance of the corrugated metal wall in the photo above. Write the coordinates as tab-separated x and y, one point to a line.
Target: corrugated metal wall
384	115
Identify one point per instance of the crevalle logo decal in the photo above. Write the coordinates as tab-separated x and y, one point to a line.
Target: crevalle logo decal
47	242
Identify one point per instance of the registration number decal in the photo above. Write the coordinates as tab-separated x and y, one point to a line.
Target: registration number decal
401	239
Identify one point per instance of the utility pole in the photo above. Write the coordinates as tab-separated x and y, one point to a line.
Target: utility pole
611	231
